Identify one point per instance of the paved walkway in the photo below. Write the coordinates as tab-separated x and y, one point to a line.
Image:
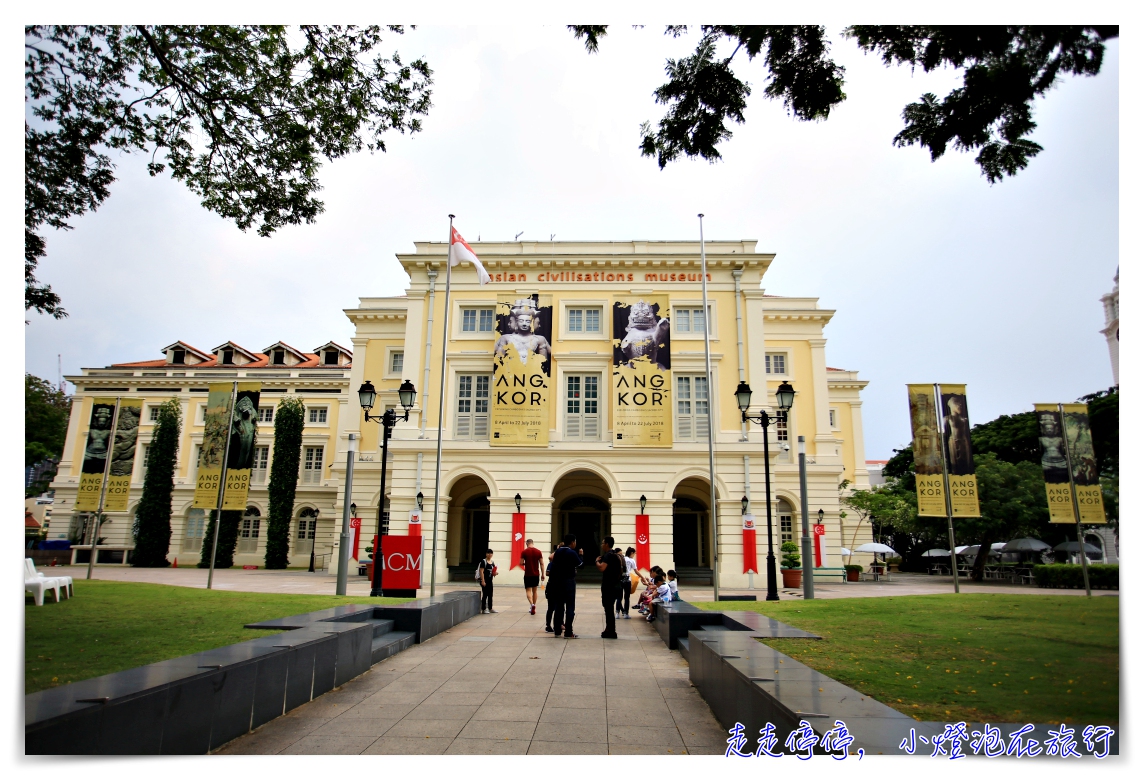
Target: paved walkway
498	684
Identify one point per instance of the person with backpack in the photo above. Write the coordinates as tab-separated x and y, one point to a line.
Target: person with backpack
486	570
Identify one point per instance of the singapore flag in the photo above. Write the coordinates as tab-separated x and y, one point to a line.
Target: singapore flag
460	250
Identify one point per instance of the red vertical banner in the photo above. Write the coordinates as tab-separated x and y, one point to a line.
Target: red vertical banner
643	542
819	532
750	548
415	522
517	538
355	523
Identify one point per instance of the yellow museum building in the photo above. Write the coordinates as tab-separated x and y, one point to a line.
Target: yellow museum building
584	479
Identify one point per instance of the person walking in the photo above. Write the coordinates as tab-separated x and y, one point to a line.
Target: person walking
562	581
631	577
530	559
612	568
488	570
550	594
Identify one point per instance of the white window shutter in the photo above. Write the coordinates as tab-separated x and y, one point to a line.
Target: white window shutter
591	427
572	428
480	426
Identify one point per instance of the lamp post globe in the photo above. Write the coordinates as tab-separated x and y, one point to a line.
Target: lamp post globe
367	394
743	397
784	396
407	394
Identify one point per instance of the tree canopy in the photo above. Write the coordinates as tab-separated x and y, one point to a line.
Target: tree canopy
46	411
1003	68
243	115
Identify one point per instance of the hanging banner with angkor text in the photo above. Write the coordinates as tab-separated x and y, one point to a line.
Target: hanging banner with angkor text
750	548
958	452
123	455
1054	462
927	451
95	454
240	455
1082	458
522	374
641	374
216	419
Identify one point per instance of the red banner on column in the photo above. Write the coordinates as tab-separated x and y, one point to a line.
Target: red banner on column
355	523
415	522
750	549
643	542
819	532
517	539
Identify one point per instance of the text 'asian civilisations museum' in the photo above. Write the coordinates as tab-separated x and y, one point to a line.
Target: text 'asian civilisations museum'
575	378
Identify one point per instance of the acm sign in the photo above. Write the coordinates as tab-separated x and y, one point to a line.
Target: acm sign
401	562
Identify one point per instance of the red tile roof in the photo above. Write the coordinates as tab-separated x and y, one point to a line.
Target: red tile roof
29	521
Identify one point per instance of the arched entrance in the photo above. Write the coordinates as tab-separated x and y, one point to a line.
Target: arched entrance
468	527
581	507
691	531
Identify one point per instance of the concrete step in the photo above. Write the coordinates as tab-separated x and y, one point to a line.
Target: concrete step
380	626
685	650
390	643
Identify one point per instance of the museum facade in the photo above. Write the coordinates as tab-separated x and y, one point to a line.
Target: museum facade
575	379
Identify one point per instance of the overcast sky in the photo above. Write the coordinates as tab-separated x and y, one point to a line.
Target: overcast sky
935	274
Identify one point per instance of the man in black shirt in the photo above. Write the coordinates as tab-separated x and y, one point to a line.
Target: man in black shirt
562	581
613	574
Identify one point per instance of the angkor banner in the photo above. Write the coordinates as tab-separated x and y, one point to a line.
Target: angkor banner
641	373
522	374
95	454
216	418
927	451
1066	450
958	453
123	455
240	455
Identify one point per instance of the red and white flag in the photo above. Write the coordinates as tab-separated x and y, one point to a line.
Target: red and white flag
460	250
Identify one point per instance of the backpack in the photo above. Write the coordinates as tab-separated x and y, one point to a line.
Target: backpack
477	574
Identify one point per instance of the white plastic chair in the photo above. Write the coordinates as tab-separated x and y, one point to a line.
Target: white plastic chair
36	583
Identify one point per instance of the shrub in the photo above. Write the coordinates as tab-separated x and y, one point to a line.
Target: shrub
1101	576
791	559
289	419
153	516
852	567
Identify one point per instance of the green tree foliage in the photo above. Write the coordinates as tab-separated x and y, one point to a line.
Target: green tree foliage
1013	505
227	540
46	412
153	516
289	419
243	115
1104	417
1003	70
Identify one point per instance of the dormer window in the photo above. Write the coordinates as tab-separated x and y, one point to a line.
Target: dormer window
228	357
178	356
279	357
331	357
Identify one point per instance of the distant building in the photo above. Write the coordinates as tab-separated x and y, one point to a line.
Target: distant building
1111	330
874	469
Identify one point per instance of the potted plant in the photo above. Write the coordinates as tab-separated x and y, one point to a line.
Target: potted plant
893	564
853	572
791	565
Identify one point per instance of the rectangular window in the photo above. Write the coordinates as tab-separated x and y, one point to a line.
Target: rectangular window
178	356
305	533
786	528
248	534
782	426
474	320
312	466
396	362
776	362
691	408
472	406
833	419
146	454
258	470
153	415
318	415
583	320
582	407
228	357
689	319
265	414
279	357
193	530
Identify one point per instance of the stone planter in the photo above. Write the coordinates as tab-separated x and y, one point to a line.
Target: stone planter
892	567
853	575
792	578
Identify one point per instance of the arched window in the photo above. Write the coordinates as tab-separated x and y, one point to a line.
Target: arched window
193	530
786	522
306	528
249	529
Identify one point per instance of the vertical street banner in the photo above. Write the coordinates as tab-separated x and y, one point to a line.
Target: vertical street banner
240	455
643	542
958	453
641	373
750	548
1054	462
95	454
414	522
1082	458
518	519
123	455
217	419
927	451
522	374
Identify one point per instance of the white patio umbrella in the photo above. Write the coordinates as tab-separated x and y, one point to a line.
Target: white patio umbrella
937	552
876	547
845	551
960	550
976	550
1071	547
1025	544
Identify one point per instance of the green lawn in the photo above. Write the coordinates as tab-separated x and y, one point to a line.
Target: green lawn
972	657
111	626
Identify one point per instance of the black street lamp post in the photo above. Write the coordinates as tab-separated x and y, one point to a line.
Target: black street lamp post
784	396
406	395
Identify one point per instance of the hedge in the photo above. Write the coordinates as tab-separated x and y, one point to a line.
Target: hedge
1069	575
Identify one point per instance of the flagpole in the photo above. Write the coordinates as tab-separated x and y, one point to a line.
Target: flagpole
441	409
710	424
222	484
